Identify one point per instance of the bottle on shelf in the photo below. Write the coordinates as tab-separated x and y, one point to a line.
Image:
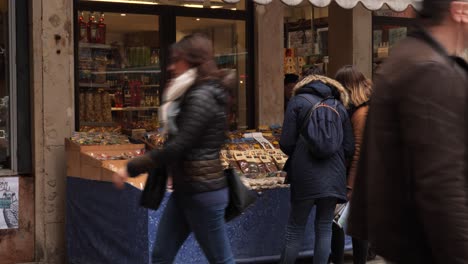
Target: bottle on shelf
83	29
101	31
92	28
118	98
156	103
127	96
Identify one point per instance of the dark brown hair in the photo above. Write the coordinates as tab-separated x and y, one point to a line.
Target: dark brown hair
357	85
434	11
197	51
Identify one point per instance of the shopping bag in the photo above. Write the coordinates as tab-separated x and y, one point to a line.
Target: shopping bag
341	215
240	197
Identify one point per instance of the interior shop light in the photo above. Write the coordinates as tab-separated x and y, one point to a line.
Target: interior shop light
129	2
193	6
216	7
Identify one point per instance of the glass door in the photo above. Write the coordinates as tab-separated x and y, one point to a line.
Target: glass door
229	42
118	71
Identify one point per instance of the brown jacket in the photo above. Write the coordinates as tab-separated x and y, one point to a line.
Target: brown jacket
410	197
359	123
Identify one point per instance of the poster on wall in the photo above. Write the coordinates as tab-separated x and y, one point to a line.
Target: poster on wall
9	202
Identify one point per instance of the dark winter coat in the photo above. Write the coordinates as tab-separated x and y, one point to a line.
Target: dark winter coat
312	177
192	155
411	192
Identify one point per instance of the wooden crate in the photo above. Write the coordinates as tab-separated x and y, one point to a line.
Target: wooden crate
73	151
92	168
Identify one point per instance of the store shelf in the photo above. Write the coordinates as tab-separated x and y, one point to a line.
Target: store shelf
142	108
94	46
98	124
150	86
145	69
94	85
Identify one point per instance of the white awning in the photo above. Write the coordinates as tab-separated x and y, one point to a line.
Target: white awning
396	5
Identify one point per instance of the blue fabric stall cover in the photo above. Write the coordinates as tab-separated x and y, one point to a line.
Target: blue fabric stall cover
105	225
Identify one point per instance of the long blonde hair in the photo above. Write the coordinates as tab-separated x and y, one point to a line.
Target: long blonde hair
358	86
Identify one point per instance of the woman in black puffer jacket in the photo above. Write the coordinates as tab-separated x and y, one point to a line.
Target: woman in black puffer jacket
193	116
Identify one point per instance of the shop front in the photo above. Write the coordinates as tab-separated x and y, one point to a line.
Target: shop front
99	67
121	51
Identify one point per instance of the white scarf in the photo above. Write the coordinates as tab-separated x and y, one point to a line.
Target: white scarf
170	107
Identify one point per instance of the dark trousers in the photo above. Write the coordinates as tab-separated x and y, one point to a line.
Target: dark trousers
360	247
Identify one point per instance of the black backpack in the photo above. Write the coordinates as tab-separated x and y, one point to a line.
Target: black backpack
322	128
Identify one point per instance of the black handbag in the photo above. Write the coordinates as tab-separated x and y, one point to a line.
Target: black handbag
240	197
155	188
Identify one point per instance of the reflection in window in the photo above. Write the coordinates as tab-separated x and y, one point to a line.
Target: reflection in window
230	51
5	146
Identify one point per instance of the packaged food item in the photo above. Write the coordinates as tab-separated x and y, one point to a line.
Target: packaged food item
89	107
82	107
106	106
97	102
242	161
99	138
269	164
252	164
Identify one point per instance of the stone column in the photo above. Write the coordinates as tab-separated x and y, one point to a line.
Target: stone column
350	38
269	88
53	74
362	40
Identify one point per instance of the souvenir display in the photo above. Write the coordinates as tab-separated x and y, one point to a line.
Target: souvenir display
85	138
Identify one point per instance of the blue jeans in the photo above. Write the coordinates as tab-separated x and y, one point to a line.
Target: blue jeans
185	214
300	211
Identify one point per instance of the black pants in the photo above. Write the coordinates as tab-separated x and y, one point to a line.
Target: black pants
360	247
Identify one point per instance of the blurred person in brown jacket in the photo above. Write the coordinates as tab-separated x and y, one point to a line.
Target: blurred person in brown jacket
359	89
411	194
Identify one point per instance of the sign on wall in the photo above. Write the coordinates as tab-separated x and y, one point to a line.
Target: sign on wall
9	202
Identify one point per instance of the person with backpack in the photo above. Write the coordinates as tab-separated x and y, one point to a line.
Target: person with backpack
359	89
318	138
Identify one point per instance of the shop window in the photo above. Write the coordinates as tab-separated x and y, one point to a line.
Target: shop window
15	111
229	44
389	27
306	38
122	52
212	4
119	71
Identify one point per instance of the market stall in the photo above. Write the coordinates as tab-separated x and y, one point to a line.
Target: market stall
106	225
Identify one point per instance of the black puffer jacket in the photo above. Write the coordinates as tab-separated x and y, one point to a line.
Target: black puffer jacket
192	155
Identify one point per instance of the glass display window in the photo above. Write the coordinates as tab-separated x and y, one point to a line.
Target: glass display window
230	50
118	70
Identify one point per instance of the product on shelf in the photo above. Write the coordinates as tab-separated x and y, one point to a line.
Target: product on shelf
121	156
101	129
82	103
106	107
97	107
101	31
92	28
83	29
89	107
85	138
